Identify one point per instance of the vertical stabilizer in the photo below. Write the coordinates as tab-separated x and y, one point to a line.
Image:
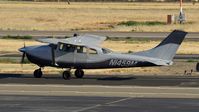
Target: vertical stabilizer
167	49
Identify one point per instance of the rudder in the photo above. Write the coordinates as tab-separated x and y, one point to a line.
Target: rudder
167	49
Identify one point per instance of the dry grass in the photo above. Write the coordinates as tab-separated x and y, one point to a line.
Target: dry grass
188	47
92	16
12	46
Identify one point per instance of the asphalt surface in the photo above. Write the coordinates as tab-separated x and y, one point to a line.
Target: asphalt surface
95	104
113	80
22	93
150	35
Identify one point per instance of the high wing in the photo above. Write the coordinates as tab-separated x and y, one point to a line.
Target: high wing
83	40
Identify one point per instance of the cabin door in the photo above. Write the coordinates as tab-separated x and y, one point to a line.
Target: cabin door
80	58
65	55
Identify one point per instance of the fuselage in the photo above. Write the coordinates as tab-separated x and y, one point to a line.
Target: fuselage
42	56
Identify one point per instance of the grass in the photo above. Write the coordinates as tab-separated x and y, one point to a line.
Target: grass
13	61
17	37
147	23
192	60
8	60
12	45
94	16
187	47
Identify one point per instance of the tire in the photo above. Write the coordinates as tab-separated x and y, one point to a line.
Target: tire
79	73
197	67
38	73
66	75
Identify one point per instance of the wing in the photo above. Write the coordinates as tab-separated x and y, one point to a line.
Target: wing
84	40
50	40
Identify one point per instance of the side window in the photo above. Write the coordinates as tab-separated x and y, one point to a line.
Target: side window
66	48
81	49
69	48
92	51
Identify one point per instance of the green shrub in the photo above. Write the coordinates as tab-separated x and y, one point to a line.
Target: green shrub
17	37
147	23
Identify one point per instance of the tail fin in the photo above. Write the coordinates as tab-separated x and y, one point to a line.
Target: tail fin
166	50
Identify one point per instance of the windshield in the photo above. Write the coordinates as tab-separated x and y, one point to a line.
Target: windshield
106	51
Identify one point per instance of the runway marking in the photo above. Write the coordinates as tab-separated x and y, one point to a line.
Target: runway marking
88	108
117	101
99	105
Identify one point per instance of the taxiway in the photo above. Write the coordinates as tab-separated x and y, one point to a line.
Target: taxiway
22	93
111	34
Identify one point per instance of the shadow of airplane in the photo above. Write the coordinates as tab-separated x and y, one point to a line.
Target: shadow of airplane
54	76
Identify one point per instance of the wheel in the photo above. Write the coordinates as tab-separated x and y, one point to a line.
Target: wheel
197	67
66	75
38	73
79	73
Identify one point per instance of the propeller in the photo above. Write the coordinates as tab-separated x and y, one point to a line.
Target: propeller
23	55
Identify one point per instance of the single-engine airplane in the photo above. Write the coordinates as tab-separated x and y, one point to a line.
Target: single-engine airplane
84	52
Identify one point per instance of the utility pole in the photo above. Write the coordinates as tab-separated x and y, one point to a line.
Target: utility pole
68	2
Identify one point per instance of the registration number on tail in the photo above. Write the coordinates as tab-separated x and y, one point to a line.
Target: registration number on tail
120	62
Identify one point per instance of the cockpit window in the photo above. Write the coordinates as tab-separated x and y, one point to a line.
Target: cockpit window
61	47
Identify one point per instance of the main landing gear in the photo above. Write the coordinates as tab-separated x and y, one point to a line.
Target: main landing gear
79	73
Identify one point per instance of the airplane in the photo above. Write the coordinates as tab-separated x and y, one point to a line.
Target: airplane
84	52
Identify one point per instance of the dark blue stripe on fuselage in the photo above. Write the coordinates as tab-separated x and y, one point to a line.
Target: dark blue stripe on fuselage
94	65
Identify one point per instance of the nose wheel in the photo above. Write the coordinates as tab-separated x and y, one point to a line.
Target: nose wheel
38	73
79	73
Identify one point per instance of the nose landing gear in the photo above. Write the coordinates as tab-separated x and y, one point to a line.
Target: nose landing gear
66	75
197	67
38	73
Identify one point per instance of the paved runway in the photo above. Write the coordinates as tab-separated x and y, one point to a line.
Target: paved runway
22	93
95	104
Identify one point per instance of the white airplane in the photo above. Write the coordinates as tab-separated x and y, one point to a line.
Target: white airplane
84	52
